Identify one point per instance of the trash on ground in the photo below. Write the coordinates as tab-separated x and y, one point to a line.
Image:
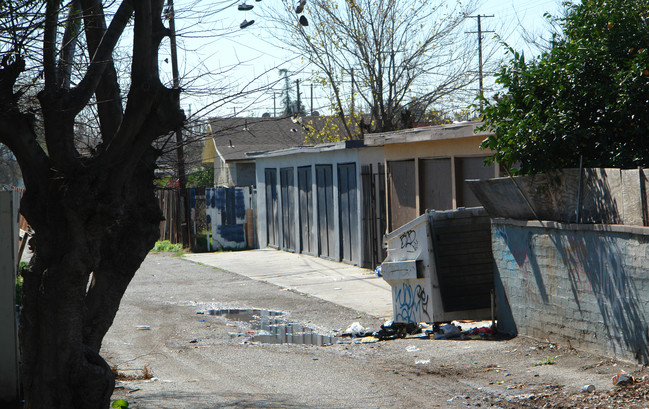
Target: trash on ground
589	388
367	340
448	331
623	379
412	348
143	327
357	330
422	362
393	330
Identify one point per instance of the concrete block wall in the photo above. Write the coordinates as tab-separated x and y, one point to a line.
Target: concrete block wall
581	285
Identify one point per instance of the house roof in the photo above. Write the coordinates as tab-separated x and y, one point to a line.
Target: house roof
324	147
233	138
427	133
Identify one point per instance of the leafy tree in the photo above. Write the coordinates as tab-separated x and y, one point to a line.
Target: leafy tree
93	209
585	97
403	53
201	178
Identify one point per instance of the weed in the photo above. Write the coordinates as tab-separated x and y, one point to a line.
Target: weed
120	404
19	283
548	361
145	373
165	246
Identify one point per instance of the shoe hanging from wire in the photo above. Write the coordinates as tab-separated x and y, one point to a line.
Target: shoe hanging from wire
246	23
245	7
303	21
300	6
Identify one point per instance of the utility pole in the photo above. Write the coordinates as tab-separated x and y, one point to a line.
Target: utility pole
297	87
180	157
352	107
480	74
311	99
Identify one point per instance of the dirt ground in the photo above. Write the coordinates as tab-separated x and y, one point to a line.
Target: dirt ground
203	361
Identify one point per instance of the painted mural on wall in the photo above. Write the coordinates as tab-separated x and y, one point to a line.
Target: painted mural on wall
586	286
225	212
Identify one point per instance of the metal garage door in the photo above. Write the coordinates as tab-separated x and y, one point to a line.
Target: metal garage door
348	211
324	182
403	208
435	184
305	198
288	208
271	207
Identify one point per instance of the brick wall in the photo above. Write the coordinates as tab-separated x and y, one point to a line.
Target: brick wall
580	285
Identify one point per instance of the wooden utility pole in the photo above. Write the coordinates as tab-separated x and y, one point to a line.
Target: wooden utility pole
480	73
180	157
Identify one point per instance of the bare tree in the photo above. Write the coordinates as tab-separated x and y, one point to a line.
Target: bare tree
93	211
397	57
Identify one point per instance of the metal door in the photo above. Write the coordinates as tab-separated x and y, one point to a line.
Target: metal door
271	207
324	182
288	208
435	184
348	212
403	208
305	193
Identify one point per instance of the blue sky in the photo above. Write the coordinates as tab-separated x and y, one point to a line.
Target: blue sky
217	58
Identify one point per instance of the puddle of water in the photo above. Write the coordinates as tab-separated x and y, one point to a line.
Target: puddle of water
269	328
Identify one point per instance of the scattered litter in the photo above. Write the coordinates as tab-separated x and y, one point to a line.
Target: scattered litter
151	380
357	330
201	320
448	331
193	341
378	272
412	348
623	379
143	327
393	330
422	362
367	340
588	388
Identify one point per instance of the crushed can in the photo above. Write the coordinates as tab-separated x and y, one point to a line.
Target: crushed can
622	379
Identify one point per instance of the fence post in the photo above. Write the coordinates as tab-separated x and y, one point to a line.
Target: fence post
9	379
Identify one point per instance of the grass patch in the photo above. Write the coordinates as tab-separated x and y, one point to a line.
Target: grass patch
165	246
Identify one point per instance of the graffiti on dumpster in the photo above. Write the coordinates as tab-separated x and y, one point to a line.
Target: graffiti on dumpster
412	305
409	241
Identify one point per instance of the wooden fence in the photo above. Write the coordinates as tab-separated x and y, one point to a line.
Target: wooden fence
174	226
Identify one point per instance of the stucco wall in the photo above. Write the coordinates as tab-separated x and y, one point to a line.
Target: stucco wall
580	285
467	146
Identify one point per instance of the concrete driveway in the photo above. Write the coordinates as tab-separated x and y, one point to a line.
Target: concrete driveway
343	284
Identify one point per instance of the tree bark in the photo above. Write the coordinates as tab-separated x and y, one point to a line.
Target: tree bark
95	217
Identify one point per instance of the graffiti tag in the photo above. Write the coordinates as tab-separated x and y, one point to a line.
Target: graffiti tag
412	304
409	241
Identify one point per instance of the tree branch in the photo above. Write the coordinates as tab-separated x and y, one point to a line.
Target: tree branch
69	45
81	94
49	43
107	91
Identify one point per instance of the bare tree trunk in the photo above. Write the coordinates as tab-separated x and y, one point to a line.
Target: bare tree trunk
96	216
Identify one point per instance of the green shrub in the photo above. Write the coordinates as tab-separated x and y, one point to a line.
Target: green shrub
165	246
19	283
